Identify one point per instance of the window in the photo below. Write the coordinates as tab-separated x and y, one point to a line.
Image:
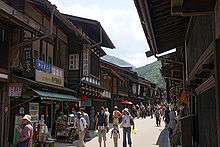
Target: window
46	52
74	62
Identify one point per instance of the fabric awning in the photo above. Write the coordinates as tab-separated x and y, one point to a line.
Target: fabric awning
45	95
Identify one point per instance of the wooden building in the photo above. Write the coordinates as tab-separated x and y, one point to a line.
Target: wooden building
123	84
192	27
39	45
84	61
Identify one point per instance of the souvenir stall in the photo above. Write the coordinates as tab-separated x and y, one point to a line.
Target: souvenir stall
66	122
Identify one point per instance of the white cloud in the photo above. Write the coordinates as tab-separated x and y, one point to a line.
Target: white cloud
121	24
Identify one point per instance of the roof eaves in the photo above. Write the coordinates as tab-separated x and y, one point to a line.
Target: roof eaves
146	23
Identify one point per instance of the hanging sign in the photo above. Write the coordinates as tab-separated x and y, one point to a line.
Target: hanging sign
49	74
15	89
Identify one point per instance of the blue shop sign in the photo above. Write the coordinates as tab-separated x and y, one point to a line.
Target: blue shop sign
42	66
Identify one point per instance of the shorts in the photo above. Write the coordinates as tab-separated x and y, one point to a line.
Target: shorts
102	133
116	121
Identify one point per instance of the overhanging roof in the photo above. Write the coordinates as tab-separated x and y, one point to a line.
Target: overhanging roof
162	30
45	95
92	29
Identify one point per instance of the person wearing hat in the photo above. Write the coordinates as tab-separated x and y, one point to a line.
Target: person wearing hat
26	136
116	116
82	126
127	122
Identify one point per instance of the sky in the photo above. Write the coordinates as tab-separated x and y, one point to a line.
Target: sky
120	20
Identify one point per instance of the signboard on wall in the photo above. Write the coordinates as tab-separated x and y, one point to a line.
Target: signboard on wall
86	103
49	74
15	89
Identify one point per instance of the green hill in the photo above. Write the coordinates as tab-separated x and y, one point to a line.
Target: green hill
117	61
152	73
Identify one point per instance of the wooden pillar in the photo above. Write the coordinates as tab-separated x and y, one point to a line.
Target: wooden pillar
217	81
217	66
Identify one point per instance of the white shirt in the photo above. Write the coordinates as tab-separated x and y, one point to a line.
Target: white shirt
107	117
82	124
126	121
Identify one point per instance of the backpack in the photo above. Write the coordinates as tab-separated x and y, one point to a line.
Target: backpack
102	119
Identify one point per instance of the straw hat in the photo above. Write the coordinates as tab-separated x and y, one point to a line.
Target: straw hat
126	110
27	117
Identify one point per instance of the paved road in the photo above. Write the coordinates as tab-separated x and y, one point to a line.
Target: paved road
147	135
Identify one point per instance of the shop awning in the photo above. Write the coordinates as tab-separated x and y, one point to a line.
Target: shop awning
45	95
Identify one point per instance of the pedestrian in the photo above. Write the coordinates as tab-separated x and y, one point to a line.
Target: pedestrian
86	116
157	116
172	122
82	128
166	115
127	122
151	111
176	136
26	136
116	116
115	134
107	118
101	125
92	118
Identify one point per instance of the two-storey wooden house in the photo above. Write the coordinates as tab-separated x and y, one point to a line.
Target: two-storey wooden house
84	61
35	40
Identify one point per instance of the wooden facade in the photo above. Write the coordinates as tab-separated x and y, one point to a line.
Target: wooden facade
125	84
32	33
195	37
85	75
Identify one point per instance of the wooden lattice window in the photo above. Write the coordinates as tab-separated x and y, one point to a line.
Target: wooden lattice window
74	62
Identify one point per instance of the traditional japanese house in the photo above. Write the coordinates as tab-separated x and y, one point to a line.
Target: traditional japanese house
192	27
84	61
34	59
109	78
120	83
145	92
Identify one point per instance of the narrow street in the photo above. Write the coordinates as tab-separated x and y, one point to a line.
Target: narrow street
146	136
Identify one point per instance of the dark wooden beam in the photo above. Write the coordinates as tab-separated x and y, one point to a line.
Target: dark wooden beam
172	40
171	24
177	34
165	18
172	30
217	85
158	3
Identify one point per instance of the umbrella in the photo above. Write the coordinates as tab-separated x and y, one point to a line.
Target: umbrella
126	102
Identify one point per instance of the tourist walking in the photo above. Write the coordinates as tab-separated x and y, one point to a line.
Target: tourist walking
115	134
167	115
157	116
127	122
82	128
26	136
116	116
86	116
107	118
92	118
172	122
101	125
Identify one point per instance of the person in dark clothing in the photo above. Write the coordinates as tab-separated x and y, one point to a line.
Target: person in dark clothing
101	126
166	115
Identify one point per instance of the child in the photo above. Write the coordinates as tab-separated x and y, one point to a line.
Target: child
116	135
